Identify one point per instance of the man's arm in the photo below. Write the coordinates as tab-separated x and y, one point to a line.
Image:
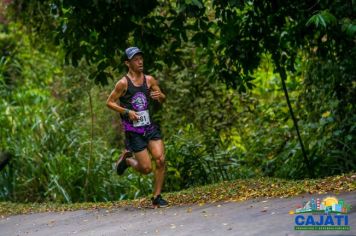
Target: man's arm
119	90
156	93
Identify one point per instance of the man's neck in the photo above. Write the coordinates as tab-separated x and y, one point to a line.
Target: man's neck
135	75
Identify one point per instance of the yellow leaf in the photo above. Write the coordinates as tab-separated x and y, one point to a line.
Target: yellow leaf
326	114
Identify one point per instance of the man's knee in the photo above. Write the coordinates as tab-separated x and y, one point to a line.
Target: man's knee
160	162
146	170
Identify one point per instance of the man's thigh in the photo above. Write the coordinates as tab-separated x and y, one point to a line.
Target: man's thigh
143	158
156	148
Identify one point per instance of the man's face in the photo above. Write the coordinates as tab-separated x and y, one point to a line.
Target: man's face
136	63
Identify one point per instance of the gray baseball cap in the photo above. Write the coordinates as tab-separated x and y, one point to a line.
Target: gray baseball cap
131	52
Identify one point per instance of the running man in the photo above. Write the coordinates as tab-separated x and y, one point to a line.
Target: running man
142	136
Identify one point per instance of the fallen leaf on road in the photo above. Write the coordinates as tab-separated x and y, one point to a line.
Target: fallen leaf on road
236	190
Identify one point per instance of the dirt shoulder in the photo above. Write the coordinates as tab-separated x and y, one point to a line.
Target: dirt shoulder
237	190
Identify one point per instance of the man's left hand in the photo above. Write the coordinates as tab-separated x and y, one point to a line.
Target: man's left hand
155	95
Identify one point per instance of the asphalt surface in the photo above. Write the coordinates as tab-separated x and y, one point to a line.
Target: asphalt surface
254	217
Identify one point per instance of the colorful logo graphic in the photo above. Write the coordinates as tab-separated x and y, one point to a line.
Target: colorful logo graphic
139	101
326	214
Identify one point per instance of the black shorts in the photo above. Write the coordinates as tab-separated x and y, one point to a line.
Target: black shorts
135	142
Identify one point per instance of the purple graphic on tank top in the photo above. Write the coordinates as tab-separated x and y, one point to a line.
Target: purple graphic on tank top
139	101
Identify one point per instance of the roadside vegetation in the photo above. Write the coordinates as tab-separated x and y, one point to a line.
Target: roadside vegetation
227	68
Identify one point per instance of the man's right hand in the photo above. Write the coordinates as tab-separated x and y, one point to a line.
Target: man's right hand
133	115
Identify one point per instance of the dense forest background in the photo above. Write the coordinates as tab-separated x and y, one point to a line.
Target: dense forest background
255	88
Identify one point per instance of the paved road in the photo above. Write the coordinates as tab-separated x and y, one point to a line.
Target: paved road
265	217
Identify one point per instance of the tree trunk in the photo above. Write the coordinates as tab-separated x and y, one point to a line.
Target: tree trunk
283	75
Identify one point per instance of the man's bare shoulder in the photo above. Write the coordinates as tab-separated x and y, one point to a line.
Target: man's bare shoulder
150	79
122	83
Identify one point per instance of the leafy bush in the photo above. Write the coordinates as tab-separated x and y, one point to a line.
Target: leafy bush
58	129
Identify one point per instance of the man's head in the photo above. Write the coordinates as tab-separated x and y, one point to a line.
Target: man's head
134	59
131	52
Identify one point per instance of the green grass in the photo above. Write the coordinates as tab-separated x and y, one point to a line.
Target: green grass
237	190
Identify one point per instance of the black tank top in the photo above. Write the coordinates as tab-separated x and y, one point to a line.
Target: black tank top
137	99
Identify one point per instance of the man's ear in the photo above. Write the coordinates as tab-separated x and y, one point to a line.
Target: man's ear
127	63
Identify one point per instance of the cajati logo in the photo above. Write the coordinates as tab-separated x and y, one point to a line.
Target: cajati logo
322	214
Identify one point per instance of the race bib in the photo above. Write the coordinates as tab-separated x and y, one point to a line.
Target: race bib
144	119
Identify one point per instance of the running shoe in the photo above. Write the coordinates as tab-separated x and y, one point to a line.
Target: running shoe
159	201
121	164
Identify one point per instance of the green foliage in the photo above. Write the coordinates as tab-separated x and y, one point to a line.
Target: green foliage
329	97
91	29
193	160
48	123
235	34
221	65
322	19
